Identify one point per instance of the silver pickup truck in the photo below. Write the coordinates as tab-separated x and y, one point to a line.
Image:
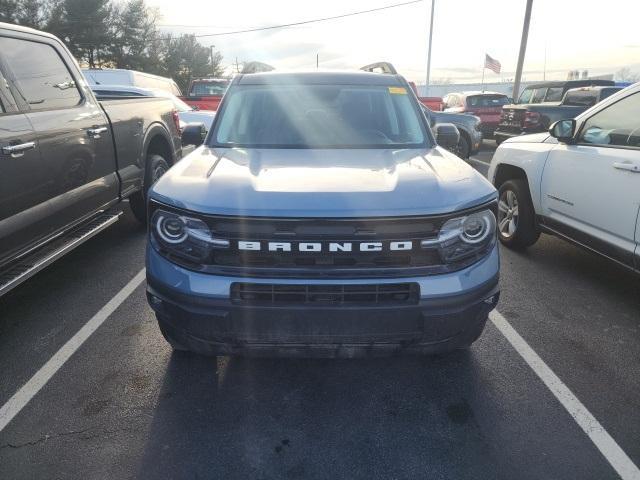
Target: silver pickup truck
66	160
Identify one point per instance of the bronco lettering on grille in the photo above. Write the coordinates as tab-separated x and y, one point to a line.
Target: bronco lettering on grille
256	246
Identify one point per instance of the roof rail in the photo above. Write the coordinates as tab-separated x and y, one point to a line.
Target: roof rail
256	67
380	67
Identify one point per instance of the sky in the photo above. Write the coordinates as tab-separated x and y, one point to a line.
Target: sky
597	36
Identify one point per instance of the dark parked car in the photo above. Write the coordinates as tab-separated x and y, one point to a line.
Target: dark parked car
67	160
485	105
468	126
520	119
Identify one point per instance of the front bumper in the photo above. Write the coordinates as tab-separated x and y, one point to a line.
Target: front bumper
197	311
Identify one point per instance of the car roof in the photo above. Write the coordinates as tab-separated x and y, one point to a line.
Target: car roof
593	88
123	88
573	83
484	92
211	80
150	92
19	28
320	78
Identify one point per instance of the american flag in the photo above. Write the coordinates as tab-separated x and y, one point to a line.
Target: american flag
492	64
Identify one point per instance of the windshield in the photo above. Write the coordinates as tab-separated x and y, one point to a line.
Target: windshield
481	101
319	116
210	88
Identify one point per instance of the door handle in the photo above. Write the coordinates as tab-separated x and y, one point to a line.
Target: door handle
628	166
18	150
95	132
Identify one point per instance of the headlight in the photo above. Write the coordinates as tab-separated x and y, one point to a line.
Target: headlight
463	237
186	237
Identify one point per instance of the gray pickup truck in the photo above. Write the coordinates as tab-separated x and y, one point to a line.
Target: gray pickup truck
66	160
540	105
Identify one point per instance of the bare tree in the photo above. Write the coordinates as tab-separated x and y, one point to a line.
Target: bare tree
625	74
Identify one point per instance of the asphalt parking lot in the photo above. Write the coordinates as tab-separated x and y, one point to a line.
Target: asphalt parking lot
124	406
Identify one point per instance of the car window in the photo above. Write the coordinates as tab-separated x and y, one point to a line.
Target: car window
525	96
479	101
319	116
554	94
618	124
39	74
579	99
538	95
210	88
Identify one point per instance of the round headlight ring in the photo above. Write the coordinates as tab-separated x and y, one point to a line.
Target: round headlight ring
171	229
477	227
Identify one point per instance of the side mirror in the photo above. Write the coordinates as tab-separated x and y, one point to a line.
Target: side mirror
427	113
447	135
194	134
563	130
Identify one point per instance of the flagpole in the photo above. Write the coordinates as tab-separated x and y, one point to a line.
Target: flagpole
483	69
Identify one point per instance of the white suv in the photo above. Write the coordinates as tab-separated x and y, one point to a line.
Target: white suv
580	181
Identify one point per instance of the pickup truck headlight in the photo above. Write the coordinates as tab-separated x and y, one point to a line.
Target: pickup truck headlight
186	237
462	237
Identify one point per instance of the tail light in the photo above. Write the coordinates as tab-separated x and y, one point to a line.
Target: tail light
176	121
531	119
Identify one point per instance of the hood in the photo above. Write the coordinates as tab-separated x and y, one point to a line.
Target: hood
542	137
322	182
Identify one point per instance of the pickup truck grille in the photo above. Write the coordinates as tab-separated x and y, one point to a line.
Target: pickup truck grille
325	295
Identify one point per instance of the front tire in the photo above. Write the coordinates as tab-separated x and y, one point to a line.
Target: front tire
155	167
517	226
462	149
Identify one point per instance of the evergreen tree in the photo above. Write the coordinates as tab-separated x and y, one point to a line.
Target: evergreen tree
8	10
88	26
134	34
31	13
186	59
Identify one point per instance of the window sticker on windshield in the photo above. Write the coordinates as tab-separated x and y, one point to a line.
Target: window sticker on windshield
397	90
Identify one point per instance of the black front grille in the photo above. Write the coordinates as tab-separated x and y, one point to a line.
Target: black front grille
325	232
325	295
266	263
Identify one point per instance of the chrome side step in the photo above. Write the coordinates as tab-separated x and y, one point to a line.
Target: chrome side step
28	266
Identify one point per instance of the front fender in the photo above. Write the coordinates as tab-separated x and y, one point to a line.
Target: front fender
528	157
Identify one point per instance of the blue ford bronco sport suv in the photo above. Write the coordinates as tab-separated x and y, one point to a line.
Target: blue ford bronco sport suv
320	218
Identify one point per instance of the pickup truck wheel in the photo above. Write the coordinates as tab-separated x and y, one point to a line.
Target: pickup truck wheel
516	216
156	166
462	149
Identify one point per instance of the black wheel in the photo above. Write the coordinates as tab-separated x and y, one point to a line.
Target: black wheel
156	166
168	336
462	149
517	226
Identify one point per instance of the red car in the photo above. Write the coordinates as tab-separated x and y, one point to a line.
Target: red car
486	105
206	93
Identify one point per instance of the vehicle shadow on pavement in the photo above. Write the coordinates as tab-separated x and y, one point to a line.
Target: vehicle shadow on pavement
283	418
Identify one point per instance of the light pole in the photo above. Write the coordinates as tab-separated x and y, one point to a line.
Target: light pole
213	66
523	48
426	89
